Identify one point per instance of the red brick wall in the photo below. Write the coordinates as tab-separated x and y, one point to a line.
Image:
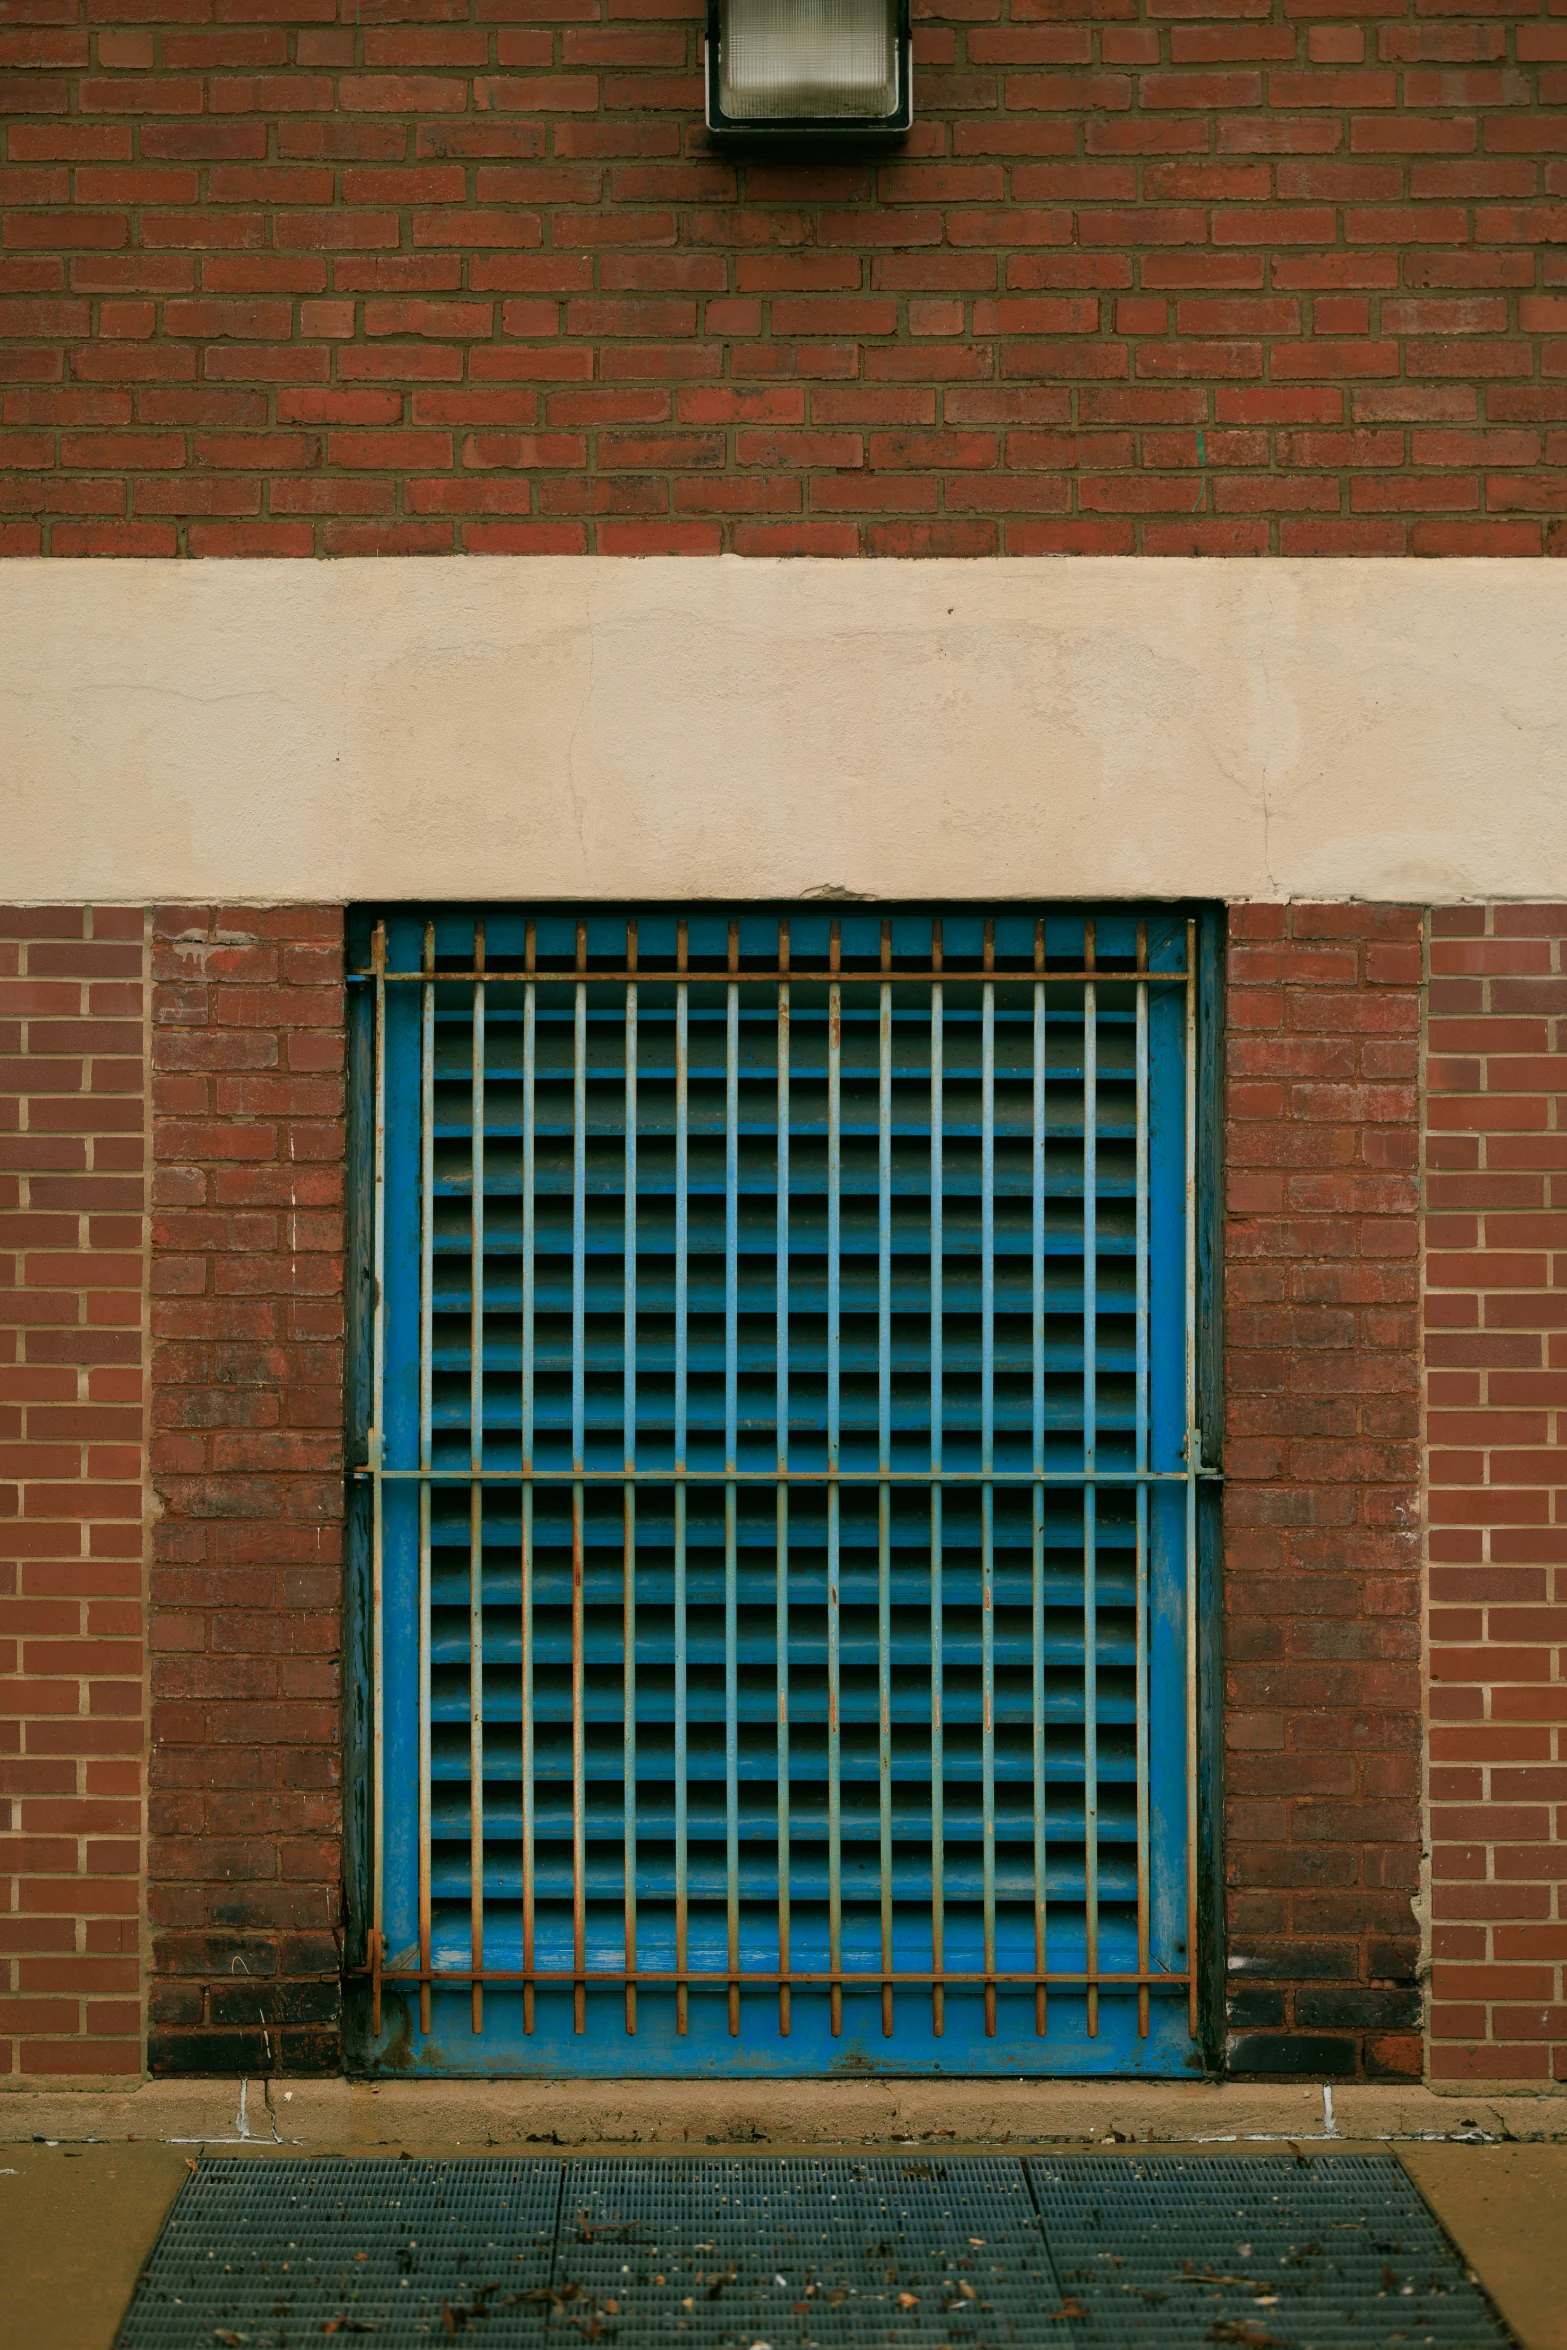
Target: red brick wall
1322	1503
72	1715
1496	1383
1167	276
247	1391
1322	1509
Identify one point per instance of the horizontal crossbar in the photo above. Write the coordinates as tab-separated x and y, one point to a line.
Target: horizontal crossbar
839	1477
785	978
784	1978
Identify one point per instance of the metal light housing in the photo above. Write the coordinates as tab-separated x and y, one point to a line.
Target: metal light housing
793	70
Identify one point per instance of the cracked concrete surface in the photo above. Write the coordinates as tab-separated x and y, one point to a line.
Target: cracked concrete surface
800	2113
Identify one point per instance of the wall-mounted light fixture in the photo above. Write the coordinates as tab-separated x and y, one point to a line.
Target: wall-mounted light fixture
809	69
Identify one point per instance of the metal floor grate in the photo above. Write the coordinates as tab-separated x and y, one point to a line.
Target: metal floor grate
919	2251
269	2253
834	2251
1337	2252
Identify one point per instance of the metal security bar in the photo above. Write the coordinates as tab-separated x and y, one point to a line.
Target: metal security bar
783	1490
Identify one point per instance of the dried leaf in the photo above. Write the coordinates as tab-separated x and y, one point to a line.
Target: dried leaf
1235	2329
908	2300
1070	2307
621	2231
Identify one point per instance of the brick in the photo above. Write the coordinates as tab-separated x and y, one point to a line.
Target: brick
74	1628
1307	1457
1010	338
247	1441
1494	1774
1268	158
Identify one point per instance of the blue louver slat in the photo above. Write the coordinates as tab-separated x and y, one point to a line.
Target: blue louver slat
783	1503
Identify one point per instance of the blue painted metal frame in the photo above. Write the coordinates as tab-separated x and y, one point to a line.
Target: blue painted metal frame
813	1727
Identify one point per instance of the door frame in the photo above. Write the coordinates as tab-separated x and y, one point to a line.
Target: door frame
357	1733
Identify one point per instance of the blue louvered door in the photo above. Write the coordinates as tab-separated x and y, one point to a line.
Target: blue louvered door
781	1492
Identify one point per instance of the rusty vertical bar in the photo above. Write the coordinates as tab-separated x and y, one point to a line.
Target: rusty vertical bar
1037	1498
834	1521
1140	1504
629	1497
376	1457
884	1463
426	1401
1090	1470
1193	1470
682	1338
938	1765
529	1309
781	1352
731	1490
987	1462
579	1268
476	1496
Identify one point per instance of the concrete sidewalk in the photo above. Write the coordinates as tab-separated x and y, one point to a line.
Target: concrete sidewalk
77	2222
1505	2207
76	2225
858	2111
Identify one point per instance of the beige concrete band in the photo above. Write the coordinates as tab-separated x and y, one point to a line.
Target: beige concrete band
599	728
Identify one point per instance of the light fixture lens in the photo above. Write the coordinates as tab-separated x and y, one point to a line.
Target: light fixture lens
808	60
